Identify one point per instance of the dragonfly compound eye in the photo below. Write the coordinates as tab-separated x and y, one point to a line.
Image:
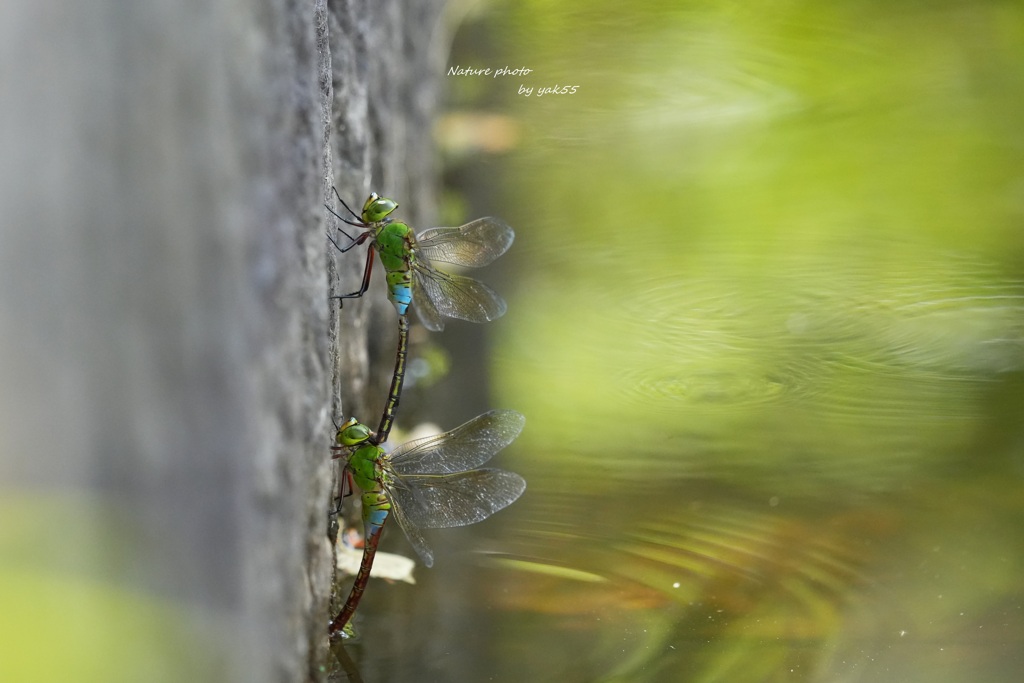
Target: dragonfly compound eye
352	433
377	208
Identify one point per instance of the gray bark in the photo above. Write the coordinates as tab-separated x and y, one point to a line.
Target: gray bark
167	346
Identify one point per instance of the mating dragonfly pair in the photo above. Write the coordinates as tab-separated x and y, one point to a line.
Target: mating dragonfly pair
434	482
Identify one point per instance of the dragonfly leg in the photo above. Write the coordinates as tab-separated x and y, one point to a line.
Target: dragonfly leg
357	224
354	214
356	241
344	490
336	245
366	279
335	214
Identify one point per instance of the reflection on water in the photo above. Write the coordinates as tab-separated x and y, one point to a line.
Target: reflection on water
853	366
767	326
689	575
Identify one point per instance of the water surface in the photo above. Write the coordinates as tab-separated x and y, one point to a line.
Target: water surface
765	322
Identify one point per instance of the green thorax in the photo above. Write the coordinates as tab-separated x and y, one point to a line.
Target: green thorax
395	246
364	464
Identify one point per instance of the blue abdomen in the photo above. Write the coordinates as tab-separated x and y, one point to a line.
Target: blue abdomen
374	520
400	290
401	297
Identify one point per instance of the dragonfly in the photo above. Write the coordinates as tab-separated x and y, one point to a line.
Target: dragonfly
407	259
411	278
430	483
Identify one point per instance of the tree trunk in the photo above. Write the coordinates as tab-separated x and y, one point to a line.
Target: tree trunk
169	354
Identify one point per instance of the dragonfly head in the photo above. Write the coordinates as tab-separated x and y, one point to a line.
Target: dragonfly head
353	433
377	208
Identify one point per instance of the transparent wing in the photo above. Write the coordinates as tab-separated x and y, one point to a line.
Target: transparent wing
455	296
425	309
463	448
411	531
440	501
475	244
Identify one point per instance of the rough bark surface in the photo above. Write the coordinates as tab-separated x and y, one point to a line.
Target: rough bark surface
166	337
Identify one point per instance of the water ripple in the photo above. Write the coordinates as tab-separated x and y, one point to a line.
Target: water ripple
840	331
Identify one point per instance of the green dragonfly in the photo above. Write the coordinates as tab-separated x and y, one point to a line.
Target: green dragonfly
429	483
407	256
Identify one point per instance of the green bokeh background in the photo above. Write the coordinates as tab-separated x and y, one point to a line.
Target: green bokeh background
766	321
71	614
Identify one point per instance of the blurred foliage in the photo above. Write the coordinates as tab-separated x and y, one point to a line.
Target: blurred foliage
66	617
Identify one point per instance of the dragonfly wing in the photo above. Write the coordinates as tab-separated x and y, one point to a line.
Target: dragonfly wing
425	309
463	448
441	501
402	500
455	296
475	244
